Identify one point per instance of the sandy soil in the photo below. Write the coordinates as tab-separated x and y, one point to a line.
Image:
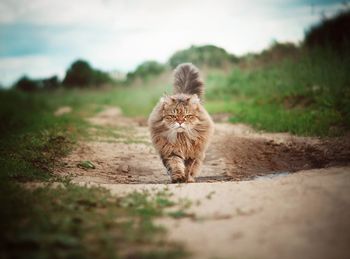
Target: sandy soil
301	215
249	205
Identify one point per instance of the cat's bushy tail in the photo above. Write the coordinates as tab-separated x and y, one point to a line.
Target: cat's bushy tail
187	80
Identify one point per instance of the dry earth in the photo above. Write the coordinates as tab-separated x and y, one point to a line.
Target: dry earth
248	204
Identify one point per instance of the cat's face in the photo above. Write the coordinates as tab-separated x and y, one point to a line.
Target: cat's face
180	112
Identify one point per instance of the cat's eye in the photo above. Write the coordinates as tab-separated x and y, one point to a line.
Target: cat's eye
190	117
168	117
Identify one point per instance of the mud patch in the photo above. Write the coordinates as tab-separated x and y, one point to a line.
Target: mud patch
250	156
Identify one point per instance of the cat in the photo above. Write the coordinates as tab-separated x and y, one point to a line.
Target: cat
181	127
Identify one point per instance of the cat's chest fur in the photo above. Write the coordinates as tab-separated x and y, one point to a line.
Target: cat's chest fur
185	146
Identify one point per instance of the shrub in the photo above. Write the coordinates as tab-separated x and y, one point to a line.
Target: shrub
207	55
81	74
145	70
333	32
50	83
26	84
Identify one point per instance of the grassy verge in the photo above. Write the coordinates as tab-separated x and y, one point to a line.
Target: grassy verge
276	118
32	138
67	221
306	96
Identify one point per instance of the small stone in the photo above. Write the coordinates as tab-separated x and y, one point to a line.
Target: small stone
124	168
86	165
62	110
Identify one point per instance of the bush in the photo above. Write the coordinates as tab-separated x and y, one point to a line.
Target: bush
333	32
50	83
145	70
30	85
275	54
81	74
26	84
208	55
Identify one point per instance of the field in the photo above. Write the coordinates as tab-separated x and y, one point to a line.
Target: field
307	95
79	177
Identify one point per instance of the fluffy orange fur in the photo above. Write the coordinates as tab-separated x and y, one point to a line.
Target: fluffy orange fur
180	126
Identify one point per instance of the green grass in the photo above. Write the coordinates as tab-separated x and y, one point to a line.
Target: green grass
69	221
32	139
306	96
66	221
133	100
309	95
276	118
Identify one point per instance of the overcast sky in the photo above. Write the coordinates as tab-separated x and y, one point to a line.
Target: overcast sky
40	38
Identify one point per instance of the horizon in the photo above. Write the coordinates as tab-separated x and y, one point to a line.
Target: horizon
43	39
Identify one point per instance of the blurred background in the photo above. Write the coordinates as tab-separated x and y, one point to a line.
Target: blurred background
263	61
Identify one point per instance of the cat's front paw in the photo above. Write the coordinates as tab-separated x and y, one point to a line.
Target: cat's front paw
178	178
191	179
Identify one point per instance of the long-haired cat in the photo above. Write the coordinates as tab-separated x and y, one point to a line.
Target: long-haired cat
181	127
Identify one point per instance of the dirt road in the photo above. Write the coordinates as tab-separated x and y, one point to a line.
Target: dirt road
247	203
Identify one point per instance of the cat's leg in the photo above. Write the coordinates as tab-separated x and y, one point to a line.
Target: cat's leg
176	167
193	167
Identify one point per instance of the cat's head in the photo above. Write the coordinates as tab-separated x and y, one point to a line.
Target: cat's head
180	112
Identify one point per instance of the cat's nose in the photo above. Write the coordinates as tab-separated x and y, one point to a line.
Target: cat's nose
181	121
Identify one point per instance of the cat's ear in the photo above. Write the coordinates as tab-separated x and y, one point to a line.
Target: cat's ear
167	99
164	98
194	99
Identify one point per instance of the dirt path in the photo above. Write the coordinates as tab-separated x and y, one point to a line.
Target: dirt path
276	215
122	152
301	215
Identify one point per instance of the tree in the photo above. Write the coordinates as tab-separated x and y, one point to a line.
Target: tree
146	69
333	32
26	84
207	55
50	83
81	74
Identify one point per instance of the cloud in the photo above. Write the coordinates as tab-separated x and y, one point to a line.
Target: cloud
121	34
12	68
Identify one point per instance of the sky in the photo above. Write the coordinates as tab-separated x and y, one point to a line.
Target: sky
41	38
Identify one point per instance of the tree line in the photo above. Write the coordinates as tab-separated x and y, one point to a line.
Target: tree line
333	33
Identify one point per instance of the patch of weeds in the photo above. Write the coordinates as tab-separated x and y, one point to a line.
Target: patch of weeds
180	214
32	138
86	165
77	222
210	195
304	96
306	121
181	211
63	179
184	203
34	156
148	204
